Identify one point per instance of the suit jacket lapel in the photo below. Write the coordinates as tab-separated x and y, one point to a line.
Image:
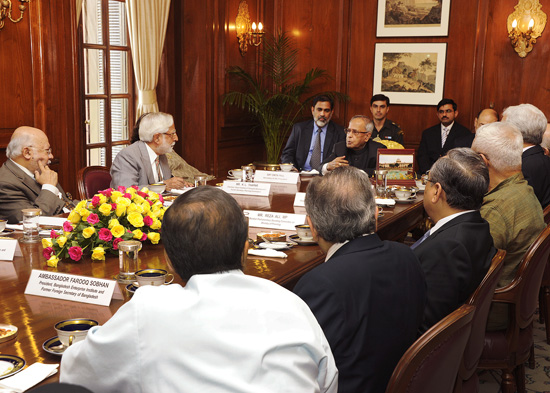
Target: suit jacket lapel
28	181
308	134
474	216
146	163
328	139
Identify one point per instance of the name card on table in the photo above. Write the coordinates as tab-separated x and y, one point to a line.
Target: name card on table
9	248
276	177
246	188
272	220
71	287
300	199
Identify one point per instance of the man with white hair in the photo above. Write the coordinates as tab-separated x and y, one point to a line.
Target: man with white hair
510	207
144	162
535	165
26	181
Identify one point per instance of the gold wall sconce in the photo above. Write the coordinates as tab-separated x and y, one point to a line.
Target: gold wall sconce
5	11
525	25
248	34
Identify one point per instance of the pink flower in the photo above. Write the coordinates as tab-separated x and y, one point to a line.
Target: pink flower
148	221
105	235
161	199
121	189
142	194
129	196
106	192
47	252
144	237
150	201
92	219
115	243
113	207
75	253
135	187
67	227
54	234
95	201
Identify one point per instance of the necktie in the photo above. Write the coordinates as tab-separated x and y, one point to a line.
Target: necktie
159	172
444	136
315	161
419	241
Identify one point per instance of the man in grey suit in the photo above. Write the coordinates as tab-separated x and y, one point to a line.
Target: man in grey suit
26	181
144	162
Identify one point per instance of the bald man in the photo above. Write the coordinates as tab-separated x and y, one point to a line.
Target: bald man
26	181
485	116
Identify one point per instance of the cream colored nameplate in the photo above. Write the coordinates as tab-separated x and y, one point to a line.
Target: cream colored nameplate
9	248
300	199
273	220
246	188
276	177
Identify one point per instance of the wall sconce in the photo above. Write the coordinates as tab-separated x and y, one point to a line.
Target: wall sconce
246	33
5	11
525	25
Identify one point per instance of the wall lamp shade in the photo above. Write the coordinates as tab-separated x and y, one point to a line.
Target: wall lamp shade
6	8
248	34
525	25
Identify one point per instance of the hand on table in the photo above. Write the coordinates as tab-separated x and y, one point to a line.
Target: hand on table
177	183
337	162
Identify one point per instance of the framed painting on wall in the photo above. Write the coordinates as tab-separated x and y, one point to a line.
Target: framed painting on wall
411	74
413	18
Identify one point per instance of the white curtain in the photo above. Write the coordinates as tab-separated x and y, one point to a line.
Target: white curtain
147	22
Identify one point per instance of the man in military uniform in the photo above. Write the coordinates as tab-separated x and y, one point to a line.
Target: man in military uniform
383	127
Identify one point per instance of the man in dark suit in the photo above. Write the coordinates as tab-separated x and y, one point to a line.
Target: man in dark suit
485	116
357	150
26	181
439	139
369	294
457	251
311	141
535	165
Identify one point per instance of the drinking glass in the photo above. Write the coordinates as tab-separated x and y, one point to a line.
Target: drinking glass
200	180
30	225
248	173
128	260
381	183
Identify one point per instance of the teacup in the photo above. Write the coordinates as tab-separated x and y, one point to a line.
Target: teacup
304	232
237	173
71	331
157	187
403	194
153	277
3	225
286	167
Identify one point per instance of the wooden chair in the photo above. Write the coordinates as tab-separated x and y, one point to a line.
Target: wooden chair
467	380
431	364
92	179
544	296
509	349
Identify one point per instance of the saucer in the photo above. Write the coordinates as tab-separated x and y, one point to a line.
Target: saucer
234	178
301	242
10	365
7	332
7	231
53	345
131	288
409	200
275	245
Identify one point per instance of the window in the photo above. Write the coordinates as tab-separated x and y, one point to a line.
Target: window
108	102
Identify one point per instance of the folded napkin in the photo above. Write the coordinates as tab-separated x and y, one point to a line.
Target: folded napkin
180	191
312	172
27	378
385	202
268	253
15	227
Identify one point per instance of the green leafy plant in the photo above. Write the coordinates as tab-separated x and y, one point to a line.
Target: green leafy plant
274	101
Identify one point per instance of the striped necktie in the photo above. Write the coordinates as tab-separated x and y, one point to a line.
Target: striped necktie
445	135
159	172
315	160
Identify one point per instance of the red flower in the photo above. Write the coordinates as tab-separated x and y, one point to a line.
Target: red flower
92	219
106	192
135	187
95	201
121	189
115	243
161	199
142	194
113	206
148	221
75	253
54	234
144	237
127	195
67	227
105	235
47	252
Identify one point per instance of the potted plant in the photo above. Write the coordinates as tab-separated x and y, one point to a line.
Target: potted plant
274	101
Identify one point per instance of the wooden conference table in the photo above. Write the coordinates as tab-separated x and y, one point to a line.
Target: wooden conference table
35	316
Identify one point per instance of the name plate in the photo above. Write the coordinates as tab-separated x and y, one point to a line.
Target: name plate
272	220
246	188
9	248
276	177
300	199
70	287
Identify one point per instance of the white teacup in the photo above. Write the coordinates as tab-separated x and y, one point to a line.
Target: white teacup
3	225
286	167
304	232
157	187
404	194
238	173
71	331
155	277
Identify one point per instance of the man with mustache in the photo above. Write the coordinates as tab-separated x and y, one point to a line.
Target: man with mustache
383	127
311	141
439	139
144	162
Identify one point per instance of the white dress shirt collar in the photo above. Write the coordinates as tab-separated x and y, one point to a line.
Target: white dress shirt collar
445	220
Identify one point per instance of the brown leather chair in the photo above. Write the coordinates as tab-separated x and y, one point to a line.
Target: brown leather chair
509	349
431	364
92	179
467	380
544	296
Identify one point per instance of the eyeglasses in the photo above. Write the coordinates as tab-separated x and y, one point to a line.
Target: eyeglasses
48	151
354	132
170	134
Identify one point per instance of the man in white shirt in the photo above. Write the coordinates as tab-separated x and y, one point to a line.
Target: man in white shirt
144	162
223	332
26	181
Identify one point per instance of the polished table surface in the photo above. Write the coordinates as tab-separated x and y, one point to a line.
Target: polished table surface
35	316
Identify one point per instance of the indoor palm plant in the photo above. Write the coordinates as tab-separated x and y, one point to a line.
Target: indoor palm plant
274	101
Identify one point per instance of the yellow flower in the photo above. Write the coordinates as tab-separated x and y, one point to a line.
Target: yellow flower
118	230
120	210
134	208
138	199
156	225
113	222
136	219
145	190
154	237
74	217
153	196
81	204
115	195
61	240
84	213
105	209
52	262
98	254
157	204
47	242
102	198
123	201
137	234
131	190
146	207
88	232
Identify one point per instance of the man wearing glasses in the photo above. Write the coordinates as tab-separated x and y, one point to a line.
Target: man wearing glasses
358	150
144	162
26	181
439	139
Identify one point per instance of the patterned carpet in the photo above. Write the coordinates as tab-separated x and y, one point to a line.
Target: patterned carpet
537	380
